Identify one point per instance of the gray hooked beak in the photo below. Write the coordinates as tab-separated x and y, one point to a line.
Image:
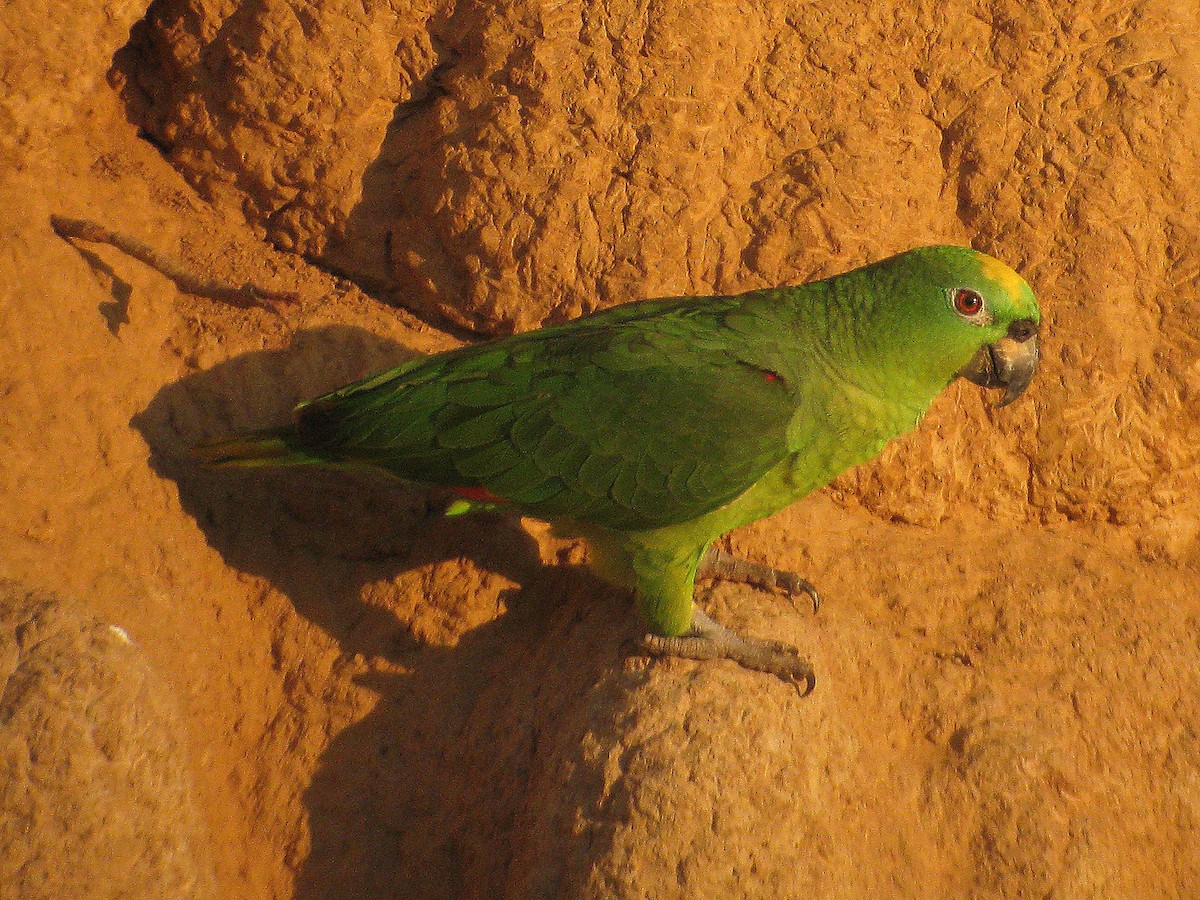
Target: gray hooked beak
1009	363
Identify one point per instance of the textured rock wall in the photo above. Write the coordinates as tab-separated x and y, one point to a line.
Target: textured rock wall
56	54
96	796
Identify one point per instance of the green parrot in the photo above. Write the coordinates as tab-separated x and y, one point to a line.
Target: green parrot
651	429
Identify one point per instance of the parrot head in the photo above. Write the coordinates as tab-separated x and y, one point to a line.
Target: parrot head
966	315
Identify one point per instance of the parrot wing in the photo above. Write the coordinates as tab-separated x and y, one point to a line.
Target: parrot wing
640	417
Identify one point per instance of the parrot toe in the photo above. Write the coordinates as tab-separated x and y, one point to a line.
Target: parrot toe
719	564
707	639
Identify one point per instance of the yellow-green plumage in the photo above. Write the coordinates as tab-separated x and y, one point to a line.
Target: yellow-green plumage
653	428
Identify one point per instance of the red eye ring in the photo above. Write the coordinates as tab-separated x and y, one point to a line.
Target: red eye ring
968	302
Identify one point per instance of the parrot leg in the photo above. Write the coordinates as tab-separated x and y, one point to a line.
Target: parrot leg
719	564
707	639
664	589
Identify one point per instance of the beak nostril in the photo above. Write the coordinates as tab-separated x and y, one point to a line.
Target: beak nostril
1022	330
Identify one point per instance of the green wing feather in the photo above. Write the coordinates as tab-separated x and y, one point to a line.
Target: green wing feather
643	416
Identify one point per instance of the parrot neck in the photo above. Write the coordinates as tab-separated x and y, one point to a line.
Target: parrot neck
857	336
896	377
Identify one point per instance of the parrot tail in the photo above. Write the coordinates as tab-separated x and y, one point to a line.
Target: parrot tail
269	447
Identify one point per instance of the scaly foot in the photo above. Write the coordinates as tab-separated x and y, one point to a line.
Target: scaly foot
707	639
719	564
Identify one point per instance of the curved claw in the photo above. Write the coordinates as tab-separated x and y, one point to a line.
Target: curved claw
789	665
792	584
721	564
810	682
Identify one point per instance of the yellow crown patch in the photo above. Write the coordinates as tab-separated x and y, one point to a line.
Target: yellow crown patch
1012	283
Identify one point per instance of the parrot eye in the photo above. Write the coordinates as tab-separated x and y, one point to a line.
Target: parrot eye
967	302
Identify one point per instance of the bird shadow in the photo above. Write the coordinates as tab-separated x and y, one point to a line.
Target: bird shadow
419	797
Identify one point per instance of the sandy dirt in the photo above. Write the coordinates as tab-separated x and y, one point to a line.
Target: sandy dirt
342	694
